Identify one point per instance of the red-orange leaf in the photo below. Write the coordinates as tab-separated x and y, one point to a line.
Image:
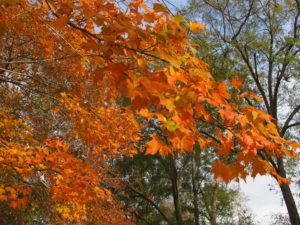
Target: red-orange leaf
236	82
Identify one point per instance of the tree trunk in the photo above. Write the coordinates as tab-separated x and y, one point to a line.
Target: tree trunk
212	212
176	194
195	193
290	204
288	196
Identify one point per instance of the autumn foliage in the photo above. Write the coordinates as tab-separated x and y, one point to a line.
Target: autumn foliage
100	66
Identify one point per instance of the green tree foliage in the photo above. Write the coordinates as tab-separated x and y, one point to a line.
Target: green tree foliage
179	189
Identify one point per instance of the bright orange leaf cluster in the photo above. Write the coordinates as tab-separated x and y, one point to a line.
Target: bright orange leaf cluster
72	183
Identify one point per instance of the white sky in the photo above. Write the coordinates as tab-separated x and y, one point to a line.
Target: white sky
262	201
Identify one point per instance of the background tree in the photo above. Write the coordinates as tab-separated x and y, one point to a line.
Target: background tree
187	193
280	219
207	203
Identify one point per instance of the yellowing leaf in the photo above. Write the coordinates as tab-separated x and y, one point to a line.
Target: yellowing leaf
172	126
179	18
142	64
173	60
196	27
3	198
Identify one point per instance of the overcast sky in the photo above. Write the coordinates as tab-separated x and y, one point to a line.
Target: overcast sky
261	200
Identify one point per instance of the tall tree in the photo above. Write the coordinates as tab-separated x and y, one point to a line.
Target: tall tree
258	40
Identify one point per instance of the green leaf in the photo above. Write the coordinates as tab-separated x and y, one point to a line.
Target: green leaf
172	126
179	18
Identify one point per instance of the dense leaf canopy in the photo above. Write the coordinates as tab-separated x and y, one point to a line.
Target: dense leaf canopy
93	69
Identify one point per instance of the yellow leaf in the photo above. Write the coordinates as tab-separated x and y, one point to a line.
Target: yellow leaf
3	198
195	27
142	63
174	61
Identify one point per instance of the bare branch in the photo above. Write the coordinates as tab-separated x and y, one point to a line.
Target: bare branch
244	21
288	120
149	201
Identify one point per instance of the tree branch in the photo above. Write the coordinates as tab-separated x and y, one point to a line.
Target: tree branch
149	201
288	120
244	21
100	40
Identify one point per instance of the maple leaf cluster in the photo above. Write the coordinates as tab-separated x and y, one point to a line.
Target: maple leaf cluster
110	63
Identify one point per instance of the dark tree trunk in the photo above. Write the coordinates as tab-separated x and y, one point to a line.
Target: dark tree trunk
288	196
290	204
176	194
